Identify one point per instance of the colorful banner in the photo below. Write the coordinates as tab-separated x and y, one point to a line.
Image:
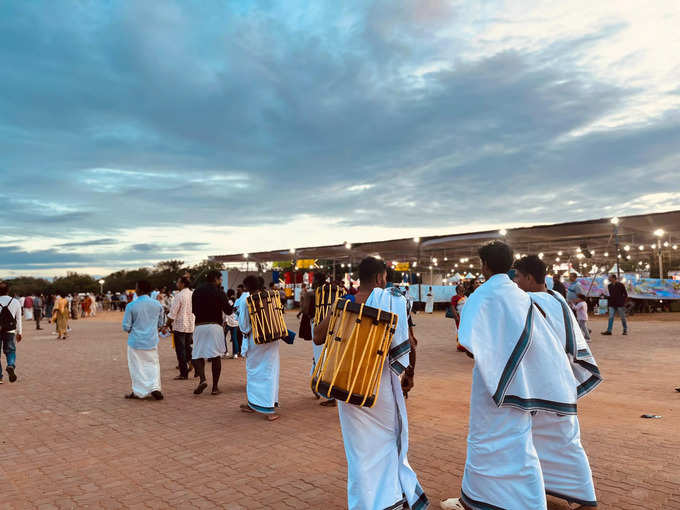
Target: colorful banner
638	288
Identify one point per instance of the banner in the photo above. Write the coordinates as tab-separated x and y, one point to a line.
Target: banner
638	288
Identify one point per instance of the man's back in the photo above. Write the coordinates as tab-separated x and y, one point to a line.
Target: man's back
14	308
617	294
142	319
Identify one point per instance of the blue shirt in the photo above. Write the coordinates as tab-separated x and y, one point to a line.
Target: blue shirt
142	319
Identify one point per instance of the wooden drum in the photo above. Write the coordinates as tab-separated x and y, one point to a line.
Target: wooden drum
266	316
324	297
358	341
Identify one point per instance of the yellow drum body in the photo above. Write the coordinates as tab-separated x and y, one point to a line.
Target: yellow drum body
266	316
351	363
324	298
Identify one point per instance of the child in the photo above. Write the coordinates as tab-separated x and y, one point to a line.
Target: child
581	308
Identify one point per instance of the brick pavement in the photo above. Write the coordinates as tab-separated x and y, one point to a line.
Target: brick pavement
69	440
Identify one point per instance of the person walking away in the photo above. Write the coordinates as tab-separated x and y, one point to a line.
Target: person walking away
10	330
60	317
457	303
28	308
306	309
581	308
558	286
429	301
181	322
208	303
142	320
37	310
617	304
262	360
232	325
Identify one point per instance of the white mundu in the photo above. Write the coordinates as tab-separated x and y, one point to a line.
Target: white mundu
520	367
376	439
557	438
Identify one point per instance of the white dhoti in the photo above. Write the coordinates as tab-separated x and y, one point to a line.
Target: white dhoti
208	342
502	468
262	369
318	349
145	371
28	314
565	466
429	305
376	445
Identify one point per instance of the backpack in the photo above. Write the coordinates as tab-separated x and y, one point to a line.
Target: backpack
7	321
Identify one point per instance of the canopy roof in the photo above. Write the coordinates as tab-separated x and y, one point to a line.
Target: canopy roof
560	240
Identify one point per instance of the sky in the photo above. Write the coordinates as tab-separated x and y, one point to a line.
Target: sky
134	132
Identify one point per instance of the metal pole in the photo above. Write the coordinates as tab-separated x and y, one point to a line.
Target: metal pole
616	240
333	270
660	260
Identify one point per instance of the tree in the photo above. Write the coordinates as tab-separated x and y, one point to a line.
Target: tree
27	285
73	283
200	270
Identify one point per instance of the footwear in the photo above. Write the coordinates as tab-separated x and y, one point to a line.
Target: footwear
201	386
625	333
676	389
329	403
12	375
1	383
215	391
132	396
606	333
451	504
157	395
181	378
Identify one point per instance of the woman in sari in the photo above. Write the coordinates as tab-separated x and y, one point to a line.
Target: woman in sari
60	316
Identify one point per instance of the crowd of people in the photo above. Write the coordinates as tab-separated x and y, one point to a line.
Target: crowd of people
531	357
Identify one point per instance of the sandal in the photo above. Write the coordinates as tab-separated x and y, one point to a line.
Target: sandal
329	403
273	417
132	396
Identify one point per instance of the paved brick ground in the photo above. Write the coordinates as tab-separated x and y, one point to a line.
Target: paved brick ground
68	439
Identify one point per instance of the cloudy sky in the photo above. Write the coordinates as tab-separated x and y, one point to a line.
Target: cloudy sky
132	132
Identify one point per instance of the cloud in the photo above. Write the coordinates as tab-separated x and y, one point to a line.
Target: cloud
429	115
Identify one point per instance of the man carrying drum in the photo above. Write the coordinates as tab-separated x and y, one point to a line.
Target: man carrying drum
376	438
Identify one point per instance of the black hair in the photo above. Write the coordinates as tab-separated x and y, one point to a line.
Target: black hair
231	292
319	279
613	276
185	281
143	287
252	283
582	296
4	288
497	255
369	268
213	275
532	265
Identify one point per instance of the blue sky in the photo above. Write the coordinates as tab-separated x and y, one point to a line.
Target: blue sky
133	132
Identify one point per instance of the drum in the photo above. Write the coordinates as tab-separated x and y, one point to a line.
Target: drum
324	297
266	316
351	363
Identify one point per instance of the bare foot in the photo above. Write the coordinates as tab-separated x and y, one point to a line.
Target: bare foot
245	408
273	417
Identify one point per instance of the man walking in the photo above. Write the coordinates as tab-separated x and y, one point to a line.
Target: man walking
37	310
10	329
573	289
617	304
142	320
181	320
207	303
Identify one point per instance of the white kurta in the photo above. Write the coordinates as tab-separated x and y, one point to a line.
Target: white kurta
28	314
145	371
376	439
262	364
520	367
208	342
429	303
557	438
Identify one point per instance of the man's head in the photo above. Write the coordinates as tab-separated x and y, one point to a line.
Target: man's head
581	297
612	278
460	290
183	283
252	283
214	277
373	273
4	288
572	277
143	287
231	293
531	272
496	258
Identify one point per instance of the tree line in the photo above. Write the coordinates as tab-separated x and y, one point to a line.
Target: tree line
163	274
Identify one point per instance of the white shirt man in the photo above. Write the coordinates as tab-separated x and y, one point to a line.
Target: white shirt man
9	338
182	321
